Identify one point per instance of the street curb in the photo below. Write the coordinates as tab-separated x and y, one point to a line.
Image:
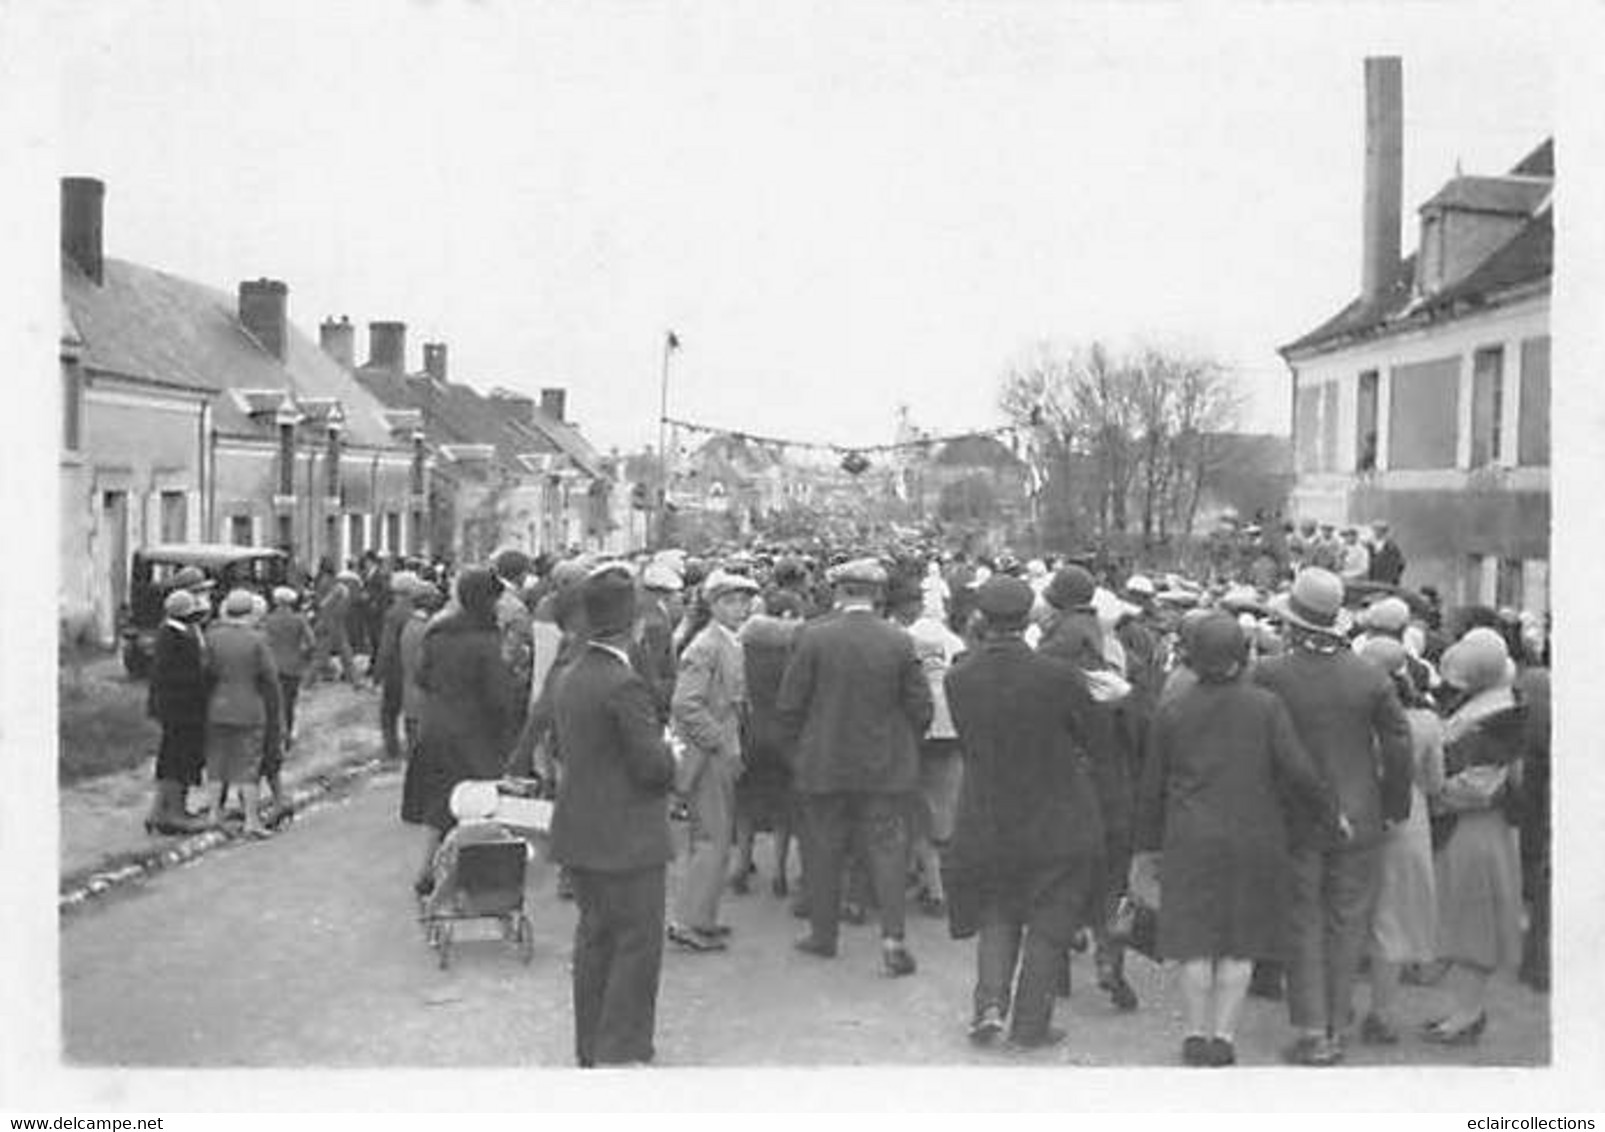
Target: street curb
98	883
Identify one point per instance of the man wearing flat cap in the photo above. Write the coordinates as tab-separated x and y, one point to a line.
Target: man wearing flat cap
610	829
854	703
710	699
1020	867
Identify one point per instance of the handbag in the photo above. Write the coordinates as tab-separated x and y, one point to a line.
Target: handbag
1136	925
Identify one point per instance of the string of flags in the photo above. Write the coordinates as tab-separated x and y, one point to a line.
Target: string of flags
854	458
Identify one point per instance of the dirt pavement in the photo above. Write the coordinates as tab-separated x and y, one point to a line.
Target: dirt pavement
303	951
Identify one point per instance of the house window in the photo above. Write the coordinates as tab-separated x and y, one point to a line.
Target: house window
331	538
239	530
417	532
1507	585
175	516
1365	423
1329	427
1532	422
1423	408
286	532
286	459
393	532
72	397
1487	404
355	544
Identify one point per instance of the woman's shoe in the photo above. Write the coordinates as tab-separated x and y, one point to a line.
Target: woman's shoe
1195	1050
1467	1035
1375	1032
1222	1052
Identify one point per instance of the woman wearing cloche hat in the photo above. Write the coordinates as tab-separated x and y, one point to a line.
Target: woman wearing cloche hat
243	711
1479	875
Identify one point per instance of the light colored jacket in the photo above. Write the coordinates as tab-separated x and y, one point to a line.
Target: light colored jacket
710	693
245	681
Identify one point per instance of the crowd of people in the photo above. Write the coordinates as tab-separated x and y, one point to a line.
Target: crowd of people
1299	774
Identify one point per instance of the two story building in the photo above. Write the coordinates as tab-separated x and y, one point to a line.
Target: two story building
1424	402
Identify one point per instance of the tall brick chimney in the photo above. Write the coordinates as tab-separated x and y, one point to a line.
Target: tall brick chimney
339	341
264	307
1384	174
435	361
554	402
387	346
83	202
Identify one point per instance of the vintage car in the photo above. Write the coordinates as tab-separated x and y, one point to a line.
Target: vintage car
151	575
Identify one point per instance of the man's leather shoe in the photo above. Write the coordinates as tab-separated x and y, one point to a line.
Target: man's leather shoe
1195	1050
1221	1052
808	945
988	1024
1314	1050
897	961
693	940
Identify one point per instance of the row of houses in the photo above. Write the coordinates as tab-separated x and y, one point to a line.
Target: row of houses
1424	401
190	414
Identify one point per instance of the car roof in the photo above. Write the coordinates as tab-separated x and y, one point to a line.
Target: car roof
206	553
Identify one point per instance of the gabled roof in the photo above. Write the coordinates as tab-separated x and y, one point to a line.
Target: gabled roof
1540	162
1510	196
1528	258
455	414
145	324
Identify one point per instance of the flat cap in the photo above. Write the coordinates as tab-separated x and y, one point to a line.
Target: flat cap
862	571
722	582
1004	598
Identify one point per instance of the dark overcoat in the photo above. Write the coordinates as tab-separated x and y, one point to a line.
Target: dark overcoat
1027	800
1349	719
466	729
1077	638
177	700
855	700
612	811
1222	761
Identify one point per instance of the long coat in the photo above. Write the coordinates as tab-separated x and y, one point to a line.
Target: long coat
466	729
1027	799
856	701
244	679
177	700
612	810
1349	719
1077	638
1222	760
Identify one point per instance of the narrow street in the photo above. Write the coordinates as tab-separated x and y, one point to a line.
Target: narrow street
304	951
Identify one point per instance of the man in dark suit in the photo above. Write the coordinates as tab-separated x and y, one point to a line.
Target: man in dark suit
856	701
1350	721
610	829
1387	560
1021	864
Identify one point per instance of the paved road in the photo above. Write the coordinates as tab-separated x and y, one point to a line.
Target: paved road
304	951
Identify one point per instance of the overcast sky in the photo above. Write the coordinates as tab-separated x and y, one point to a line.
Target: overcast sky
838	207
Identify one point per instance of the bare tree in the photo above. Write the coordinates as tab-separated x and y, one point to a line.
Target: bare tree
1136	427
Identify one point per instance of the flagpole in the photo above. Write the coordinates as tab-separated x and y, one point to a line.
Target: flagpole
669	343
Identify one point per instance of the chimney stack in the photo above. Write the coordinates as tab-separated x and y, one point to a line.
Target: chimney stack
83	202
339	341
263	309
435	360
1384	174
553	403
387	346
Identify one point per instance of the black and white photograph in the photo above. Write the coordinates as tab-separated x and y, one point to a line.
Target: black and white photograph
944	545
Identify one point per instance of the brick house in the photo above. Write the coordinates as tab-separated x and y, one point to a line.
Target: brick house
194	415
1425	401
506	472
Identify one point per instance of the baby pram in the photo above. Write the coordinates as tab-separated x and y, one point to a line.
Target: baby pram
487	870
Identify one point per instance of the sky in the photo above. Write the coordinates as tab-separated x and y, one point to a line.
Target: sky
838	208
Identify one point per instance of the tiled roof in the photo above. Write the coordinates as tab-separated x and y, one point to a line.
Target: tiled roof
147	324
1515	196
458	415
1526	258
